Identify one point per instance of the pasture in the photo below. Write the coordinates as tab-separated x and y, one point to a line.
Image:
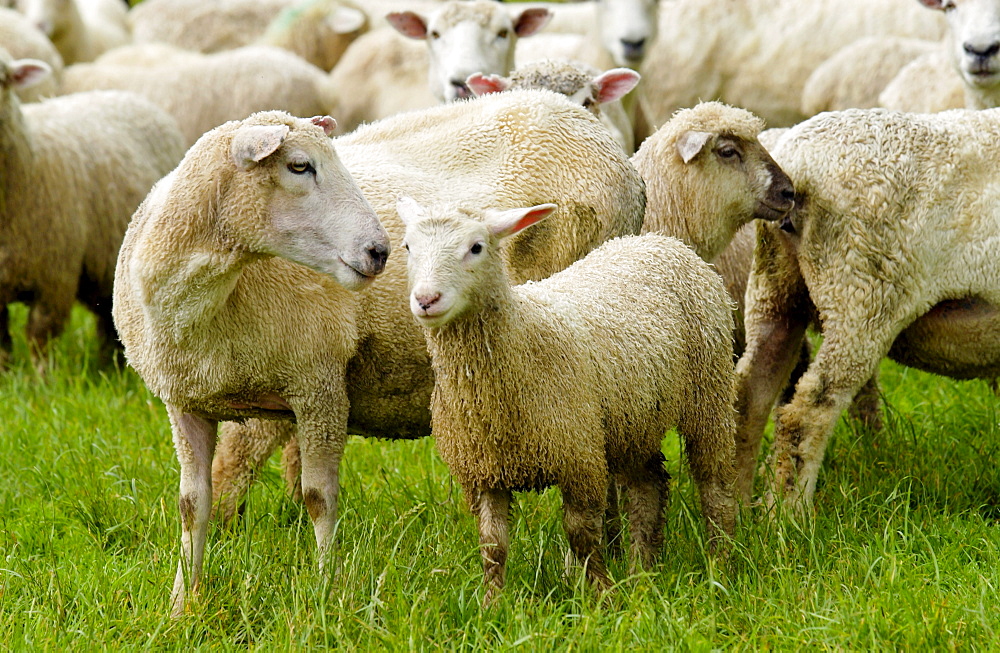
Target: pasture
904	552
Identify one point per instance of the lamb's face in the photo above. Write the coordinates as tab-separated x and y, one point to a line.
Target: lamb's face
313	212
974	32
628	28
49	16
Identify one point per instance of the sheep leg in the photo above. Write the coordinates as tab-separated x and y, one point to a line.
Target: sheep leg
867	405
45	322
6	342
613	520
583	520
646	499
322	448
492	511
845	361
291	469
242	451
194	441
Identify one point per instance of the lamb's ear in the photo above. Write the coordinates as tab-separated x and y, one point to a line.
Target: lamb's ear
326	122
530	21
509	222
613	84
409	210
28	72
344	20
255	143
932	4
690	143
485	84
408	23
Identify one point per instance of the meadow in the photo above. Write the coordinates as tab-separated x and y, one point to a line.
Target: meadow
903	551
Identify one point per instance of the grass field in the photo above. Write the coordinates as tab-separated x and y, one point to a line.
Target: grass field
904	551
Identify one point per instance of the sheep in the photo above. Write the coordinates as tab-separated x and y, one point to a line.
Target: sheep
585	372
757	54
890	252
74	170
23	41
80	29
317	30
203	91
382	74
598	92
928	84
255	205
857	73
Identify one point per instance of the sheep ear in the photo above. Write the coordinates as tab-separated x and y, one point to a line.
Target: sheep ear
690	143
613	84
485	84
28	72
408	23
255	143
509	222
530	21
932	4
409	210
345	20
326	122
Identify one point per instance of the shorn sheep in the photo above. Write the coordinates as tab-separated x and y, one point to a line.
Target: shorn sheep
259	225
598	92
74	171
80	29
574	380
891	250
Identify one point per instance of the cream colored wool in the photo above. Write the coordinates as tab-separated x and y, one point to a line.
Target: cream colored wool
758	54
23	41
928	84
74	170
203	26
854	76
893	253
319	31
574	380
80	29
204	91
507	150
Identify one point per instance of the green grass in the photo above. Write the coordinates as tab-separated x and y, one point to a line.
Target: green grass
904	552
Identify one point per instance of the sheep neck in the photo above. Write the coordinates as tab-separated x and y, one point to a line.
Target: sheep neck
18	155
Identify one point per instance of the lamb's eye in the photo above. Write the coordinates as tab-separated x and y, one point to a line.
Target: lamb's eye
588	103
300	167
504	33
477	248
435	34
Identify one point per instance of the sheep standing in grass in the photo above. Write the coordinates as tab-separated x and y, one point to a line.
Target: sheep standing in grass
74	170
23	41
232	301
574	380
80	29
891	250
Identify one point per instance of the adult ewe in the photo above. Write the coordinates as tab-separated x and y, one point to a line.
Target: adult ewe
891	250
74	170
586	371
232	301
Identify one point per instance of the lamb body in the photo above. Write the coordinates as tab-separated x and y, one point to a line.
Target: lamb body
891	251
75	169
585	372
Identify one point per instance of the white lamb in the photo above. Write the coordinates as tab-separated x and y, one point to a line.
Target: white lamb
892	247
80	29
203	91
74	170
23	41
382	74
585	372
758	54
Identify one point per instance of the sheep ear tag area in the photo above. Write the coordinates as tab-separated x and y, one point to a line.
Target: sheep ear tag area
509	222
614	84
28	72
253	144
690	143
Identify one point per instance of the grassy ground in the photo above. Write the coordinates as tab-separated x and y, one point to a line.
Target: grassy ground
903	552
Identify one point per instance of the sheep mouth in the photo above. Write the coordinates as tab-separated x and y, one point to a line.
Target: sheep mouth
982	74
770	212
353	278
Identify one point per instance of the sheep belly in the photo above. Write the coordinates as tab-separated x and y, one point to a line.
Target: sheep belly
959	338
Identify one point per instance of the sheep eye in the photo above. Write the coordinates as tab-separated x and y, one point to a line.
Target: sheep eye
588	103
729	152
406	246
300	167
477	248
504	33
435	34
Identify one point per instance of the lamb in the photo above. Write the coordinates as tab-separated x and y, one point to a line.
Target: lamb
387	74
74	170
856	74
80	29
319	31
586	371
23	41
890	251
758	54
203	91
928	84
598	92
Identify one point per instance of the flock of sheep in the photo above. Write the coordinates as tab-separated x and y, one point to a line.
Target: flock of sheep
546	253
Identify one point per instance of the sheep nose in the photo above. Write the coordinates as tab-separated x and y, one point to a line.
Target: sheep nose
428	300
634	50
462	91
378	252
980	51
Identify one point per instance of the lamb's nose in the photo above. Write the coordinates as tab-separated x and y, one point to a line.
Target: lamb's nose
634	50
462	90
426	301
981	51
